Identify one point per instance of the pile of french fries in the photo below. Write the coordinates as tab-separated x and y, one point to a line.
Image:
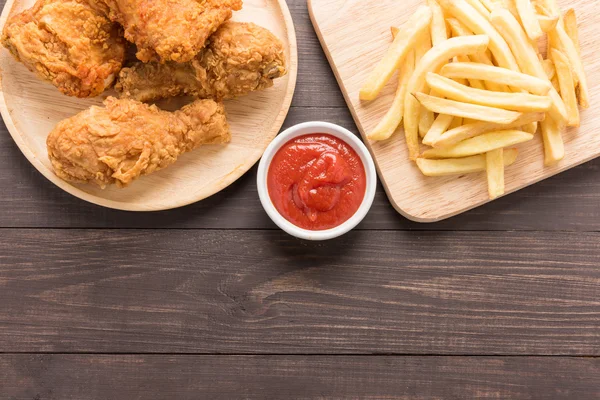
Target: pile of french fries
472	82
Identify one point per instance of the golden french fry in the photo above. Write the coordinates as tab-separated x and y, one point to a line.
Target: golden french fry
526	55
439	126
394	31
466	14
411	31
425	121
489	4
474	83
556	84
511	6
467	131
460	166
529	20
433	61
494	165
427	117
547	23
392	119
567	86
466	110
532	127
541	9
570	20
438	23
456	122
549	68
460	30
549	7
554	148
496	74
480	144
559	39
476	4
523	102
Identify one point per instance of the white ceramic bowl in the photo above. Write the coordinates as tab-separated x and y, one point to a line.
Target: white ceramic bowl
304	129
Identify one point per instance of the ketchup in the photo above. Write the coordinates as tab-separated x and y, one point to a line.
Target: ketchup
316	181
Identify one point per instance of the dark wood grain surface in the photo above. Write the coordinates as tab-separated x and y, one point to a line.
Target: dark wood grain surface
291	377
212	301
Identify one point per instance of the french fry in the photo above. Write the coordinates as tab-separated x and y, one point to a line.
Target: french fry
458	29
570	21
554	148
474	83
494	165
529	20
541	9
476	4
425	121
467	131
526	55
511	6
460	166
523	102
549	68
427	117
567	86
433	61
439	126
549	7
392	119
411	31
496	74
456	122
559	39
489	4
547	23
480	144
530	128
438	23
556	84
466	14
484	57
466	110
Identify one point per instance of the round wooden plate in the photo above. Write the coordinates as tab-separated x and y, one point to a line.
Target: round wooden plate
31	108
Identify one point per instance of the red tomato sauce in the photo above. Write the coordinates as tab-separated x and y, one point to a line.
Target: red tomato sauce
316	181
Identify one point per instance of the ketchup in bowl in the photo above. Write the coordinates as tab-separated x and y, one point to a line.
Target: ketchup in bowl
316	181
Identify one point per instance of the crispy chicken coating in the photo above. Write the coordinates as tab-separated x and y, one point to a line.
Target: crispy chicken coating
239	58
170	30
68	43
126	139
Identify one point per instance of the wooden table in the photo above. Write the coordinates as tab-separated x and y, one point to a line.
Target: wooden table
212	301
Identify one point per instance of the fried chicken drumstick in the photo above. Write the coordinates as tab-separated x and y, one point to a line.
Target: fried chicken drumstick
68	43
169	30
126	139
239	58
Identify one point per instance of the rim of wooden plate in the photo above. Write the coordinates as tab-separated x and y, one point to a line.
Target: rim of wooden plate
125	206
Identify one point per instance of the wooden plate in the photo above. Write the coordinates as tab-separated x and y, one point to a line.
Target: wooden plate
31	108
354	35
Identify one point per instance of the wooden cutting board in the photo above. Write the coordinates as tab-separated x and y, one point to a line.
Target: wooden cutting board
31	108
356	33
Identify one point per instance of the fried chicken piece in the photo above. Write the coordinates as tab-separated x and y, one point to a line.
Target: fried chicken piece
239	58
68	43
170	30
127	139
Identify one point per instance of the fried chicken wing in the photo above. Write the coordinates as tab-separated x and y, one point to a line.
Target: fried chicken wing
125	139
170	30
239	58
68	43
